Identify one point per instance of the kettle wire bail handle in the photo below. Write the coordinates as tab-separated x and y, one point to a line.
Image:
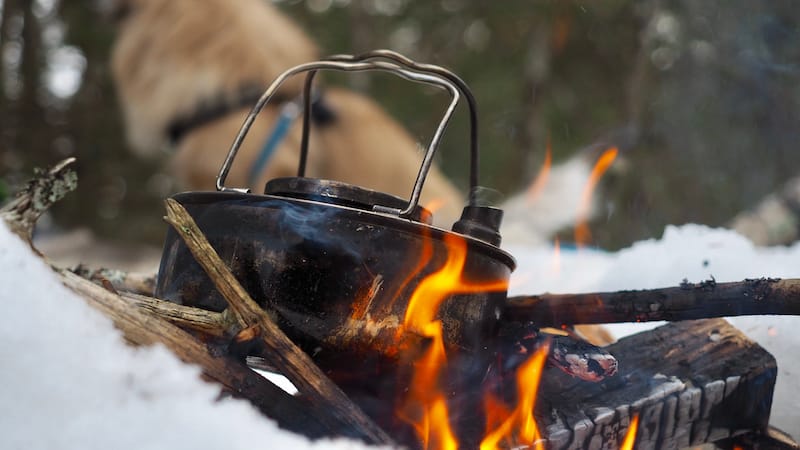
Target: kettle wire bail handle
348	66
398	58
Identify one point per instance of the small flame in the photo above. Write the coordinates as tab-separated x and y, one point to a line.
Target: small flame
582	233
536	188
434	205
556	268
521	421
630	436
425	407
496	412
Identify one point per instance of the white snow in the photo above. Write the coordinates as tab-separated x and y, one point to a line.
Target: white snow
691	252
68	381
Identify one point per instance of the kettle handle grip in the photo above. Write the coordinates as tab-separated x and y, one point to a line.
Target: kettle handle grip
351	66
384	54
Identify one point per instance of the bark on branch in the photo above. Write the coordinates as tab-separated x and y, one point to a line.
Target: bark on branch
141	328
708	299
46	188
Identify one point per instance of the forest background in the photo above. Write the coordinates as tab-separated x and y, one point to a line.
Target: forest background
703	94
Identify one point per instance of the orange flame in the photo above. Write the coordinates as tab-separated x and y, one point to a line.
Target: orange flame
521	420
536	188
630	436
434	205
426	408
496	412
556	269
582	233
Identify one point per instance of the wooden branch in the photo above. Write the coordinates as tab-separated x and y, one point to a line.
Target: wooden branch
207	322
284	354
46	188
134	282
141	328
686	302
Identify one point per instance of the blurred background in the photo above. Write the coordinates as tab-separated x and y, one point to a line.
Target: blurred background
706	94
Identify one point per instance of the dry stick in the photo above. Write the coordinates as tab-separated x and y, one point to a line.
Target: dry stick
141	328
293	362
137	283
46	188
687	302
207	322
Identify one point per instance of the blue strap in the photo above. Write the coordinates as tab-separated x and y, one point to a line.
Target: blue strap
288	114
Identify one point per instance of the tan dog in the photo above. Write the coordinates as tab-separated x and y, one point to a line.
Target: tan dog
174	59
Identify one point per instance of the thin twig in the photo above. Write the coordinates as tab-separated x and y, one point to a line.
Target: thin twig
134	282
208	322
46	188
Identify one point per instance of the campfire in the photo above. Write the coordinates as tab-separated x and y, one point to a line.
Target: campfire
398	332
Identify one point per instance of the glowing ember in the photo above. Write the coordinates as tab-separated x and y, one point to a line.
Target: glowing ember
582	233
630	436
521	422
425	407
535	189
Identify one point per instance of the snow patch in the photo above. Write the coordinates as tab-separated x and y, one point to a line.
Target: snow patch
70	382
691	252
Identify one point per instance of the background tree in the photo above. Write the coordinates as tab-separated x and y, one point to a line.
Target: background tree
705	90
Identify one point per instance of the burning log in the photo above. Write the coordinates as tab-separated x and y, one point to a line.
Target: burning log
696	382
772	439
704	300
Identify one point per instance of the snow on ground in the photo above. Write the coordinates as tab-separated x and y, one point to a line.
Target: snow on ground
691	252
68	381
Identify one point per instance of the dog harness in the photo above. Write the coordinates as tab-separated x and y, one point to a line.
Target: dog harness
289	113
215	108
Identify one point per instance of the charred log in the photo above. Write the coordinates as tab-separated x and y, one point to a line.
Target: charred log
689	301
772	439
690	382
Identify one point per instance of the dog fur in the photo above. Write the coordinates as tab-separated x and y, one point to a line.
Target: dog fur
172	56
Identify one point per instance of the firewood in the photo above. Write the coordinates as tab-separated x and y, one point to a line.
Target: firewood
772	439
207	322
278	348
140	328
704	300
690	382
134	282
